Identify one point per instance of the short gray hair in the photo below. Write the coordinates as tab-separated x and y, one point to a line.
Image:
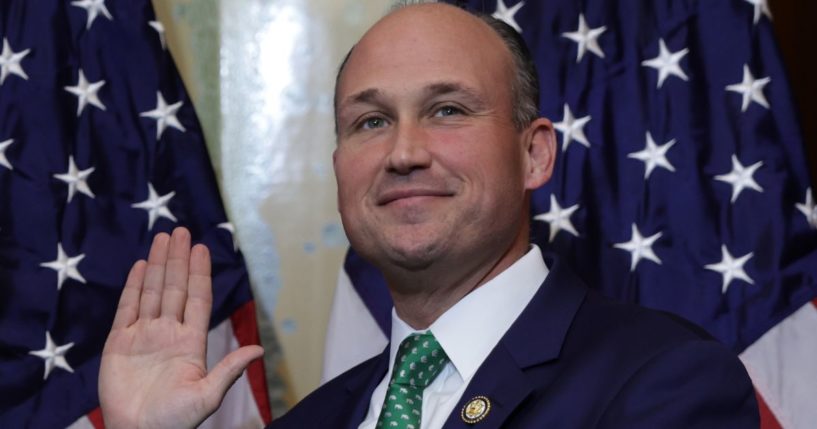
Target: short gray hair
525	82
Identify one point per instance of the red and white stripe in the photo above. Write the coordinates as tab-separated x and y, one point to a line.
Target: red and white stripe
783	367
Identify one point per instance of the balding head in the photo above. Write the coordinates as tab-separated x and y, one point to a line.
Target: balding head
523	84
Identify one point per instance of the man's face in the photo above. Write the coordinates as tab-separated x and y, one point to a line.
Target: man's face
430	167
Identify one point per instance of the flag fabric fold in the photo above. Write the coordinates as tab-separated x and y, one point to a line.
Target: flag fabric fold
100	149
680	182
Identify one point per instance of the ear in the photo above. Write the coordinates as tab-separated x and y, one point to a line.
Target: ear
540	153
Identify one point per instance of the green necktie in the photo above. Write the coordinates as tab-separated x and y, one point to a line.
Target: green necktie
419	359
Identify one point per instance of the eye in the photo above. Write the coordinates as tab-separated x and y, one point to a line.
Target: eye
372	123
448	111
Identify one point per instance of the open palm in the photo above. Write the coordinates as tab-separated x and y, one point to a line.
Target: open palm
153	372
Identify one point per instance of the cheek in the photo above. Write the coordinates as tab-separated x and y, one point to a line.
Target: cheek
460	151
346	190
490	159
355	171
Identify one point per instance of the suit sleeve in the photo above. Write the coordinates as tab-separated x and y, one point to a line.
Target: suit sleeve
699	384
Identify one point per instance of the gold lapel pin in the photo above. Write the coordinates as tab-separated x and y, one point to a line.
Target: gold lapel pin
475	410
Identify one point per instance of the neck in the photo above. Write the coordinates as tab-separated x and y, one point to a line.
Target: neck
420	298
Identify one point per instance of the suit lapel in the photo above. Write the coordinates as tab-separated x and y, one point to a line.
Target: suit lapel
535	338
505	386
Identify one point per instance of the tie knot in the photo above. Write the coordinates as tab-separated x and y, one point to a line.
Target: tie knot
419	359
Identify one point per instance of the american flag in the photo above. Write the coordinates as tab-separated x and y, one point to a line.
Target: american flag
680	183
100	149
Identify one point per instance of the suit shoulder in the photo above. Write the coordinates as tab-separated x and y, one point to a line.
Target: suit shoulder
604	320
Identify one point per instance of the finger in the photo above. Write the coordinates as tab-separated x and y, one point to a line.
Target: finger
174	293
128	310
199	291
226	372
154	277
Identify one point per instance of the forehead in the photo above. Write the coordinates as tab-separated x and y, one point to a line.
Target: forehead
419	44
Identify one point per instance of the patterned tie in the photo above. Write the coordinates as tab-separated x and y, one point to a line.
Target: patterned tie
419	359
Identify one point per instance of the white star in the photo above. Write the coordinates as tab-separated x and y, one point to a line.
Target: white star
86	92
164	114
653	156
558	218
94	8
3	160
667	63
65	266
156	206
156	25
809	209
53	355
751	89
587	38
506	14
731	268
229	227
76	179
10	62
761	6
640	247
741	177
572	128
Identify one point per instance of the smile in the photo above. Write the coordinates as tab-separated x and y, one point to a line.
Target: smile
391	196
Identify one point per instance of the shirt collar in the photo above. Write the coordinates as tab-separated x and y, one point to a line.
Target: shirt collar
470	329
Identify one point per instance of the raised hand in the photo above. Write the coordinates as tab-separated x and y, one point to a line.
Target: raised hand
153	372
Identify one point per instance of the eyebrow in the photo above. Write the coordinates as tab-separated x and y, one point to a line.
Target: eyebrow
375	95
444	88
366	96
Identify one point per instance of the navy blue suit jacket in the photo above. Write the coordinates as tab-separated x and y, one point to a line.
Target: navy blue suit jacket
574	359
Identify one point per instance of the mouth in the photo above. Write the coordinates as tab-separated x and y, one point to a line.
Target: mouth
397	195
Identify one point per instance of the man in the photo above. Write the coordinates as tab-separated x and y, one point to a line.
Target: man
439	149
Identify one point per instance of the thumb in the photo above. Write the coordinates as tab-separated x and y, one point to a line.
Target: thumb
226	372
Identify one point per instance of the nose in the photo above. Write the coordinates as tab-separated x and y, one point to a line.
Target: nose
409	150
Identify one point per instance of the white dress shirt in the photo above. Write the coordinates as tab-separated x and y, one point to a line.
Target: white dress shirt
467	332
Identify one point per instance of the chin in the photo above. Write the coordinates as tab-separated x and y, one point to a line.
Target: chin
405	247
412	262
408	256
